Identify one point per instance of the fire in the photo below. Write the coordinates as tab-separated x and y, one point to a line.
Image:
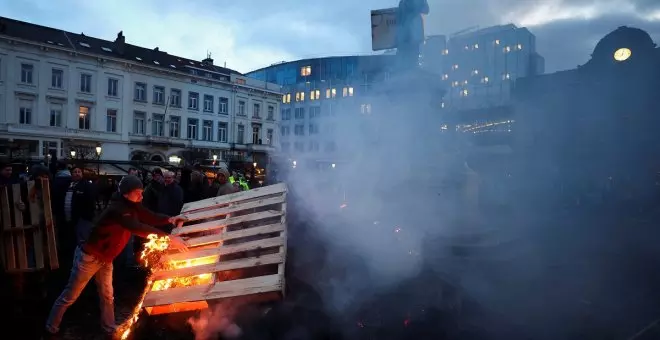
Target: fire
150	257
195	280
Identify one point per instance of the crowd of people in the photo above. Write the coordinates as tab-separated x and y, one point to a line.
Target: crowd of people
97	222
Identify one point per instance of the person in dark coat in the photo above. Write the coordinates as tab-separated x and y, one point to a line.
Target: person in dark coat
73	204
125	216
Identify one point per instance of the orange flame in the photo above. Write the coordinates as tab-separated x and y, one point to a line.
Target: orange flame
153	249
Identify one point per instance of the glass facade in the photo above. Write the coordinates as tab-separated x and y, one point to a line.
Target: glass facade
308	70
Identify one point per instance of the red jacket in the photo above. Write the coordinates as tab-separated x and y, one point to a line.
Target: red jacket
113	228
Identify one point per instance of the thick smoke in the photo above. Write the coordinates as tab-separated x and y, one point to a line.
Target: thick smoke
214	322
527	236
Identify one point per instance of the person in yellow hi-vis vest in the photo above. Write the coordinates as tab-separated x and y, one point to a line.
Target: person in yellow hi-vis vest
243	184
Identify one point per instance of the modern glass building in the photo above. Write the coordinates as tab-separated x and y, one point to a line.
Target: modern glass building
323	97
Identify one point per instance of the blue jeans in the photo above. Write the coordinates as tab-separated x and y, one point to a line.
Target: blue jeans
84	267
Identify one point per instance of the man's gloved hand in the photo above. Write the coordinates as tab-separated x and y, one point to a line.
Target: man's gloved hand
178	220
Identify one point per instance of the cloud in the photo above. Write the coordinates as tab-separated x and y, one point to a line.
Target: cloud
255	33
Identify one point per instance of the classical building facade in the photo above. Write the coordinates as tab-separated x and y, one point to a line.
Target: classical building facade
63	92
324	103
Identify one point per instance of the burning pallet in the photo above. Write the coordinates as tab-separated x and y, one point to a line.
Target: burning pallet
237	248
28	235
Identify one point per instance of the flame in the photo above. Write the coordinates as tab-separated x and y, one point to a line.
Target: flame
153	249
150	258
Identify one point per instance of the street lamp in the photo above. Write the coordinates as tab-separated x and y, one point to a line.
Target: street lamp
174	159
73	153
334	165
215	158
254	165
99	150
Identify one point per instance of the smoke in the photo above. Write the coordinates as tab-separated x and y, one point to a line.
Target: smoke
215	321
528	234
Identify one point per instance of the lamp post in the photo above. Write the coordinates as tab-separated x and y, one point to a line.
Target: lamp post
99	150
175	160
215	158
334	165
73	154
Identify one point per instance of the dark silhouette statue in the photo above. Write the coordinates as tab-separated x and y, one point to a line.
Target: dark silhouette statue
410	31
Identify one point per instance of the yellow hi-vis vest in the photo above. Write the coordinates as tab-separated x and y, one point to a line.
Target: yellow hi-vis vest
231	179
243	184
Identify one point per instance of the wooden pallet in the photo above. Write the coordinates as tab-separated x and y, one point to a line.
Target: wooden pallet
237	249
28	236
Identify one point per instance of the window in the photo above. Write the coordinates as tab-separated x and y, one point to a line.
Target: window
27	71
300	113
305	71
286	114
256	110
175	98
286	98
347	91
314	95
240	134
113	87
56	78
158	125
192	128
314	112
313	146
464	93
330	93
86	83
159	95
193	101
208	103
271	112
256	134
139	122
365	108
222	132
299	146
285	130
300	96
445	76
445	52
111	120
313	129
241	108
25	111
56	115
175	127
286	147
454	67
84	118
140	92
299	130
207	130
224	105
269	137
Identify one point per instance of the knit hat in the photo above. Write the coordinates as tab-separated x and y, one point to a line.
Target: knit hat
129	183
224	172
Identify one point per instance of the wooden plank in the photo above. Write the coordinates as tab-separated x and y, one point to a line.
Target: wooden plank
175	295
222	223
224	250
35	221
253	285
220	266
235	197
224	236
49	226
8	239
21	248
233	207
177	307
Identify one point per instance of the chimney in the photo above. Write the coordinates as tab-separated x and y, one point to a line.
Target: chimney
156	49
120	43
208	61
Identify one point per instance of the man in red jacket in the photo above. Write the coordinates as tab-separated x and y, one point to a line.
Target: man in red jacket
112	230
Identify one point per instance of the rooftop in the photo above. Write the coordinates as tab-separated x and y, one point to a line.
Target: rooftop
115	49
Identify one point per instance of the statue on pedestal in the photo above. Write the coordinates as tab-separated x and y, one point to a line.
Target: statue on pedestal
410	31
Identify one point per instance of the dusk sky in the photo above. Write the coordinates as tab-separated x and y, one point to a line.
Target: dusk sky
250	34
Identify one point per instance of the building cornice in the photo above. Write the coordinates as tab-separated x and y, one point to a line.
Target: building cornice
102	58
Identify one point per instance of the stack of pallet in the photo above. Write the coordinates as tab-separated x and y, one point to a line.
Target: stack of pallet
28	233
237	249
